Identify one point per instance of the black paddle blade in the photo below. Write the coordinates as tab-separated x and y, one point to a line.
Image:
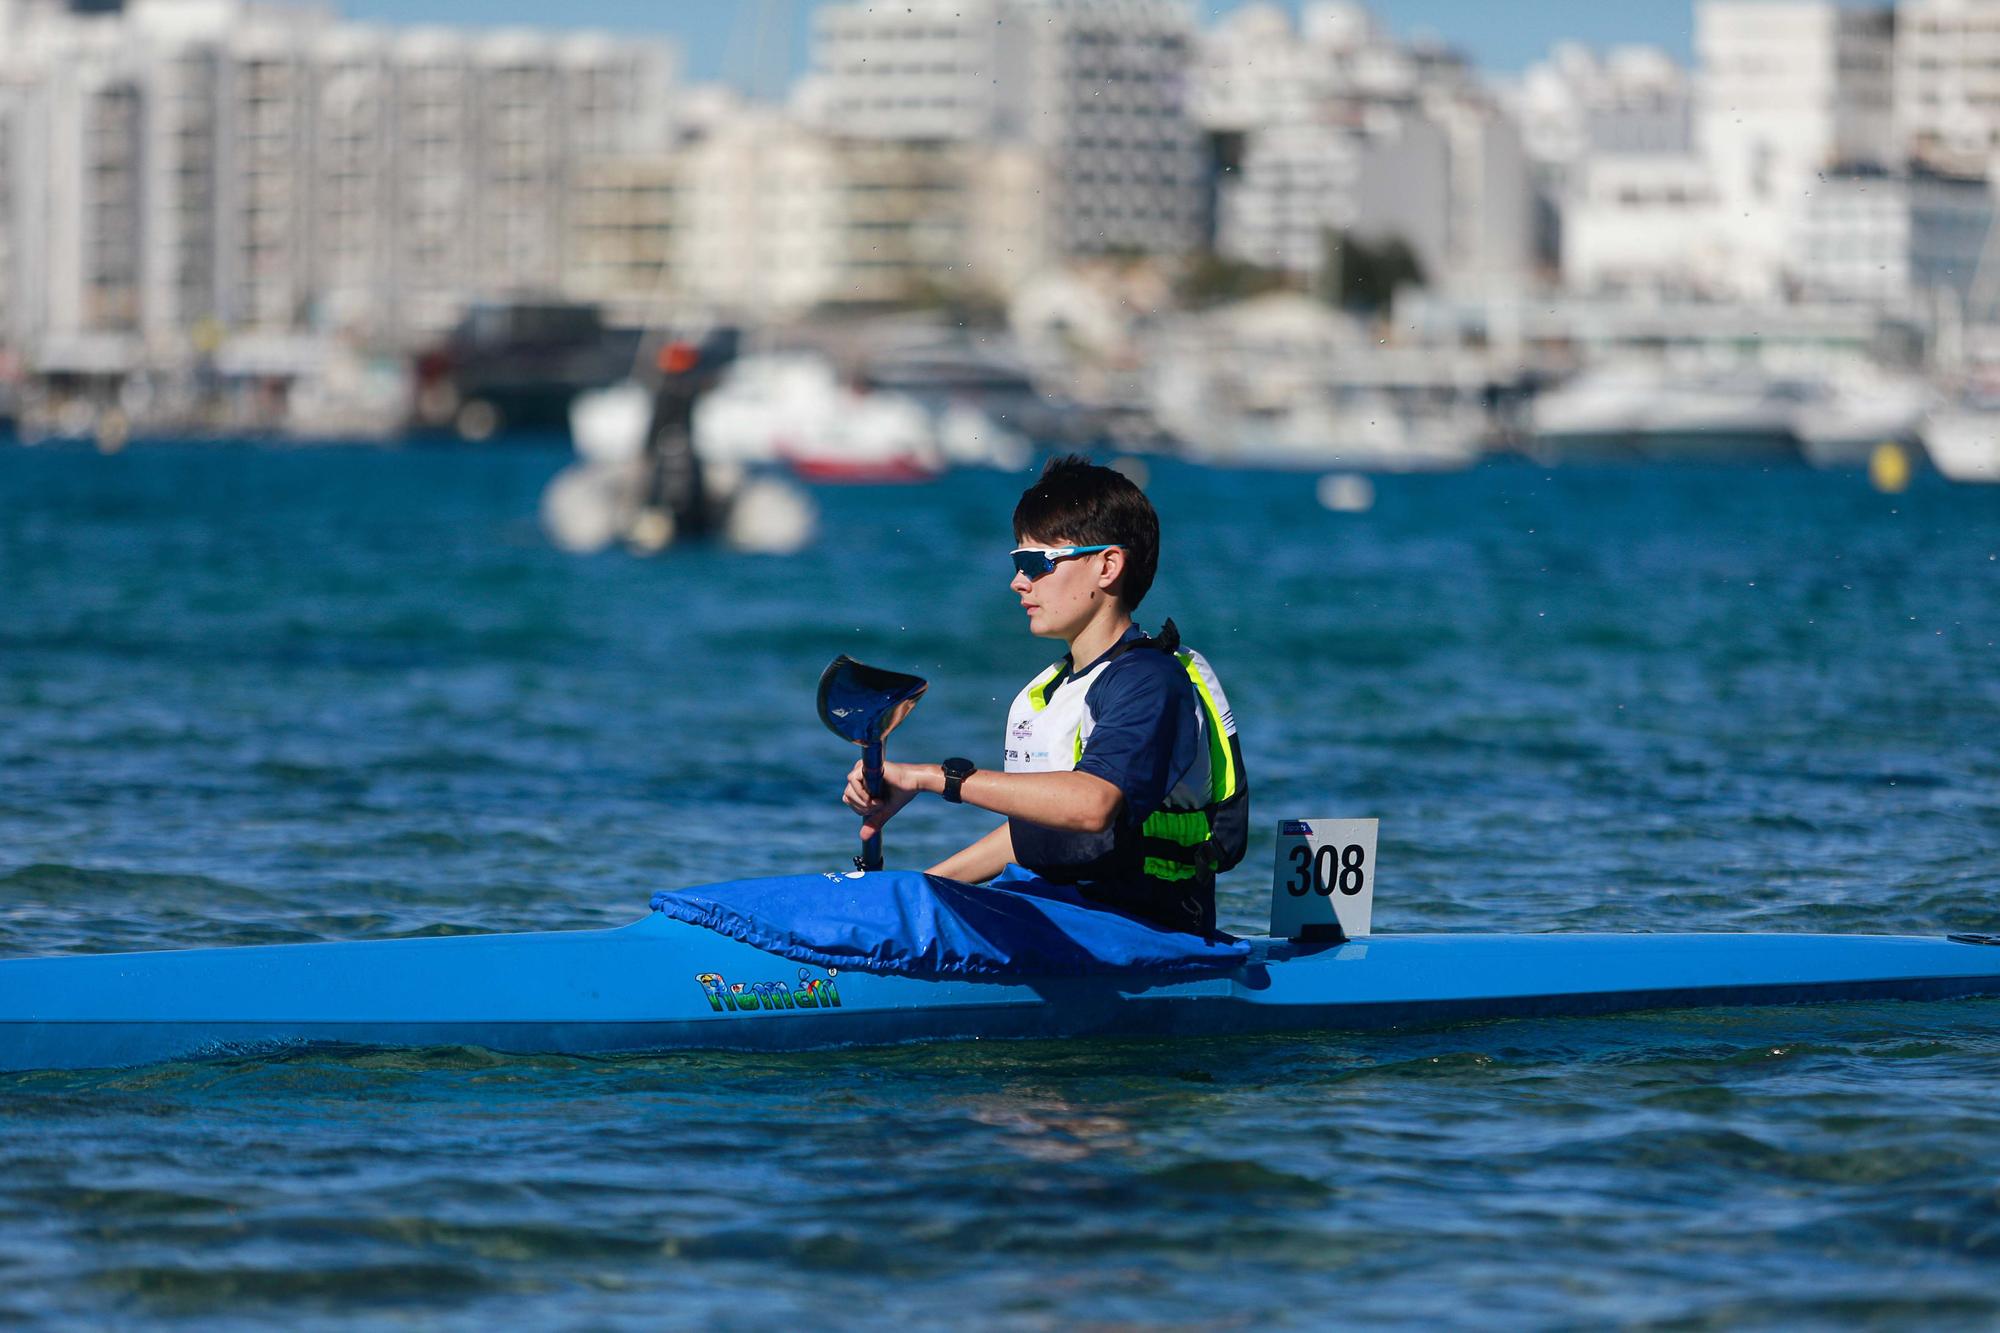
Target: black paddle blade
864	703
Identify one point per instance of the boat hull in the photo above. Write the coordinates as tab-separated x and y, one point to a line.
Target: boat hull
661	985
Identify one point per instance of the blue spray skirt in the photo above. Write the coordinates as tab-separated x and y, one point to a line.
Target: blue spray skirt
662	984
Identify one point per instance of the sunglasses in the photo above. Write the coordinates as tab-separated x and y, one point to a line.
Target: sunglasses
1035	561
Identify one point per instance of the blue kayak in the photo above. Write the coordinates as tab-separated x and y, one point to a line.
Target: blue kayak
663	984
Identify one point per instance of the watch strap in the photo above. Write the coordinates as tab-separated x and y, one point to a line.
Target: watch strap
956	771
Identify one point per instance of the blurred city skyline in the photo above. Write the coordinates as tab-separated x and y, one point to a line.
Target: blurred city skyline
1257	228
735	42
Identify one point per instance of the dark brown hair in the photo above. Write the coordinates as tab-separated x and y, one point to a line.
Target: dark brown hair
1076	502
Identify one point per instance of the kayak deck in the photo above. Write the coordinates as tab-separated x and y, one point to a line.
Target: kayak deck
662	985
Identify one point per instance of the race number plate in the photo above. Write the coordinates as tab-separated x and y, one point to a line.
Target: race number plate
1324	884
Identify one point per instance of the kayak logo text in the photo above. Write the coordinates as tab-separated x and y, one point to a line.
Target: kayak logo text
726	997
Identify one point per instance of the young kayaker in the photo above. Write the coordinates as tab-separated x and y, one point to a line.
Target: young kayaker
1123	774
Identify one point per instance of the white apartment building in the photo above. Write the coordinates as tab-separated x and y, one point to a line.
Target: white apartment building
1345	130
194	168
1127	167
1948	82
1296	182
1895	241
1644	222
761	231
1631	101
1788	93
1577	106
625	222
926	69
1253	70
762	217
1790	89
1094	87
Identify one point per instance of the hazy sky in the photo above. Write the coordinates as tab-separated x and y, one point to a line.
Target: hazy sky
762	43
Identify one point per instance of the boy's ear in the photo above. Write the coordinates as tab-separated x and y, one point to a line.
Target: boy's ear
1113	578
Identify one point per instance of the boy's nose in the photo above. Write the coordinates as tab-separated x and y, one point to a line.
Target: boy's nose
1019	583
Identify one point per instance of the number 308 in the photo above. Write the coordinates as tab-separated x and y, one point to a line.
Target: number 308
1319	872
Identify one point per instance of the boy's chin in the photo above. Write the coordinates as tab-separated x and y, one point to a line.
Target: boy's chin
1045	627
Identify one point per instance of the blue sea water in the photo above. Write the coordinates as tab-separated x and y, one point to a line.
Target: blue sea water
252	696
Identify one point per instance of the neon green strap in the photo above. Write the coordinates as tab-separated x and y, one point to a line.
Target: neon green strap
1042	686
1221	763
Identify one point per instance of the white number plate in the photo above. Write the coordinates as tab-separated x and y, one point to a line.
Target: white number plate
1325	878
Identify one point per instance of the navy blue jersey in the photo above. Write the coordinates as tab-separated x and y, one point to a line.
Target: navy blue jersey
1132	718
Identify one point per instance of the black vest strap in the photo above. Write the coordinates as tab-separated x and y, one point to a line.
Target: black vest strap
1168	641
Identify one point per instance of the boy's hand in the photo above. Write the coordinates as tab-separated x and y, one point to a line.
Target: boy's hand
900	785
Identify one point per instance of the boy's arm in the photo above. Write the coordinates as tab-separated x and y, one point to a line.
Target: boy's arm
1078	802
979	862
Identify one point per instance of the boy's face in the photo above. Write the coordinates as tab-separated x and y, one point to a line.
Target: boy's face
1061	602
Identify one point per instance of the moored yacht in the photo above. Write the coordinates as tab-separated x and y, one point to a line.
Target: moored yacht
1649	413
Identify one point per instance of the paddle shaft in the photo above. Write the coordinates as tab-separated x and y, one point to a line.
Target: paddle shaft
871	773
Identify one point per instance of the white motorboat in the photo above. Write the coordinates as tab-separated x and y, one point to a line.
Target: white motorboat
1964	442
1649	413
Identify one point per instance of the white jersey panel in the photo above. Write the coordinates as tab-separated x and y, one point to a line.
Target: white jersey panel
1045	740
1050	739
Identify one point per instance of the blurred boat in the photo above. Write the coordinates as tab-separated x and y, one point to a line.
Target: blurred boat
517	365
1356	430
347	396
1648	413
1853	414
1285	381
639	481
794	408
1964	442
983	387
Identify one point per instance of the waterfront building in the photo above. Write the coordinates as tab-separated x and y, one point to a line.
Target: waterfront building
1342	129
762	217
194	169
1632	101
925	70
1642	222
1094	88
1897	241
1947	96
1787	93
1790	89
761	225
1578	106
625	222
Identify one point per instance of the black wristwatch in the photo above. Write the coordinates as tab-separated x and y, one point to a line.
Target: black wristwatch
956	771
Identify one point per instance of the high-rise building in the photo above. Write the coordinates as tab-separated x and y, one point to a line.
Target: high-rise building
1094	87
626	222
1790	89
1345	130
194	167
949	70
1948	82
1633	101
761	216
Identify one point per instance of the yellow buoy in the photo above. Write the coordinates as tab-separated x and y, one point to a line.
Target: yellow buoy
1889	468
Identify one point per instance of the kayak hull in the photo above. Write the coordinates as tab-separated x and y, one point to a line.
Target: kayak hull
663	985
